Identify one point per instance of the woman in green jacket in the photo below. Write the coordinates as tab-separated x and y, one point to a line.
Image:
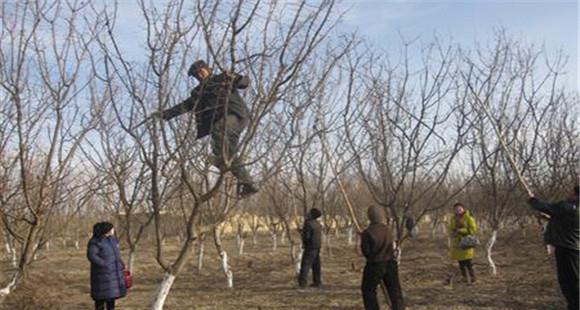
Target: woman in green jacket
462	224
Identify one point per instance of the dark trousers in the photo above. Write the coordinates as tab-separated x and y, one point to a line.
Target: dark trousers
225	136
567	265
310	259
387	273
466	266
100	304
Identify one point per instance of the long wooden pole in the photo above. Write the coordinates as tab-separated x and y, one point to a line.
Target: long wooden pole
502	142
346	199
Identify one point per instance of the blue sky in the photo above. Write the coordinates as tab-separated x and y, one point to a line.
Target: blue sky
550	23
553	23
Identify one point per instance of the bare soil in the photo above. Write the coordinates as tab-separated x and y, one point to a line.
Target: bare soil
264	279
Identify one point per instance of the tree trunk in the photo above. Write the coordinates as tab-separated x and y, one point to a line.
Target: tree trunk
163	291
298	263
200	249
488	249
274	242
350	233
241	246
327	243
227	272
10	287
283	238
131	260
224	258
14	258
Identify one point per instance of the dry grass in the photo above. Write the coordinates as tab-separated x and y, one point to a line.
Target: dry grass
264	280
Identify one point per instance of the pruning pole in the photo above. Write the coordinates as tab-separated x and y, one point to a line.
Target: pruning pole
502	143
347	200
340	185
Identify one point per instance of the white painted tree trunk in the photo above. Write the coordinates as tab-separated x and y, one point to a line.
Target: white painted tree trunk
77	244
327	242
398	253
350	229
241	246
432	233
274	242
283	238
14	258
254	239
229	274
488	249
8	288
131	261
162	291
298	263
200	249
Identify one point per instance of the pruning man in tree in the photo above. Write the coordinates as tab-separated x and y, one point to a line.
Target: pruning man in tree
311	241
562	233
378	247
220	112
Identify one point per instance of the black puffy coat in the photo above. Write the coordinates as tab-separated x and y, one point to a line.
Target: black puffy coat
107	281
212	100
563	229
311	234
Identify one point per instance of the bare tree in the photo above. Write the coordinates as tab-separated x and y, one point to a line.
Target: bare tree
510	92
43	53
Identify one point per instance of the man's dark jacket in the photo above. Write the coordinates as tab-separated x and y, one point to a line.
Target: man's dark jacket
377	243
213	99
562	229
311	234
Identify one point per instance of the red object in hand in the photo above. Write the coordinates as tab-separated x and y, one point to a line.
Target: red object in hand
128	278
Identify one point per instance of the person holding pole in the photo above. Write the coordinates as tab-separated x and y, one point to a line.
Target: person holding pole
221	113
562	233
378	247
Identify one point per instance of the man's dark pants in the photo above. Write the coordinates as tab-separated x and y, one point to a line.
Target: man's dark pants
225	135
373	275
310	259
567	265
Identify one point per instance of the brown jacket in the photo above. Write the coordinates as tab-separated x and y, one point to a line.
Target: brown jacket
377	240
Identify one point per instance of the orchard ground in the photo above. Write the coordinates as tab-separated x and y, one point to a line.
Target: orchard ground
264	279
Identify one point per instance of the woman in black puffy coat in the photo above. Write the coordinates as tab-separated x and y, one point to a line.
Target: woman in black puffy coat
107	281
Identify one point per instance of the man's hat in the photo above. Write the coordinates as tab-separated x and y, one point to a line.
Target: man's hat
315	213
195	67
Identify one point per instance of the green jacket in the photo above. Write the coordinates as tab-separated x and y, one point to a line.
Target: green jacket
469	228
212	100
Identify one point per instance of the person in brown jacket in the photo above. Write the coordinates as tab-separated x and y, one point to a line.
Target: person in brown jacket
378	246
